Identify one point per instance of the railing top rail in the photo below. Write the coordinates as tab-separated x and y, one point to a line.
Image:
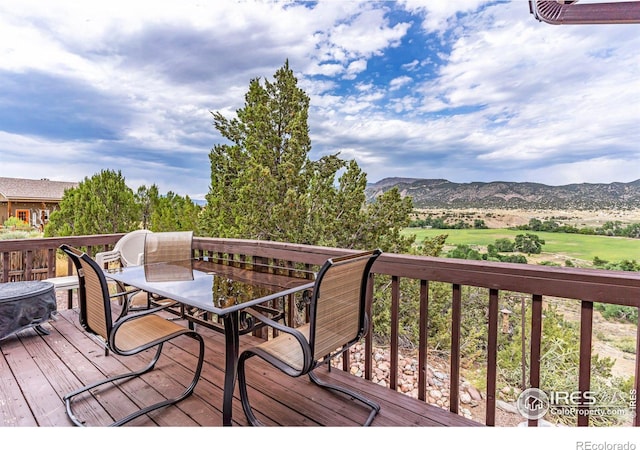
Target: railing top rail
586	284
16	245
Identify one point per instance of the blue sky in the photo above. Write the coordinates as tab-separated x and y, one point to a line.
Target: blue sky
465	90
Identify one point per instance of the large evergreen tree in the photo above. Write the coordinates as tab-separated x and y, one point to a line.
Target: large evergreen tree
173	212
264	186
147	199
170	212
101	204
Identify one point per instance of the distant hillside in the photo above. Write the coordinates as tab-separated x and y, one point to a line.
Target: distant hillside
430	193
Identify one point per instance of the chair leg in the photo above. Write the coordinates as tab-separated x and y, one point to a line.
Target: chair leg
375	407
188	391
242	389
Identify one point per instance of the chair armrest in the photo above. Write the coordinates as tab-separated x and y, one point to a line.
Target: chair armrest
124	292
103	258
119	294
272	323
302	340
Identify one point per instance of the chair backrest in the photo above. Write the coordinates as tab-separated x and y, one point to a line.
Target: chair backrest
338	304
168	246
131	247
93	294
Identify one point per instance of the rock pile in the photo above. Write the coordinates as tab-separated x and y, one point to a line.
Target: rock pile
438	391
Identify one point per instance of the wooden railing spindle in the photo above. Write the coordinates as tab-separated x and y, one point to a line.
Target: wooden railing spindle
423	340
536	346
492	357
584	371
456	321
395	318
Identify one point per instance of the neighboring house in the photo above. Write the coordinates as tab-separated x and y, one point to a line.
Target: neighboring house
31	200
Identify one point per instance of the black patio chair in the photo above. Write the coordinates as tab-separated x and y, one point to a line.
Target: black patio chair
129	335
338	320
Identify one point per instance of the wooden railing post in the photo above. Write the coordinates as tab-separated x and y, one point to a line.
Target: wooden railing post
635	405
368	342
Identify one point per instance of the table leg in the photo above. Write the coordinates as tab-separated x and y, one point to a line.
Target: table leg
232	343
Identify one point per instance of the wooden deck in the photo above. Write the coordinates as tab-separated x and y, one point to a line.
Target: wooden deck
37	371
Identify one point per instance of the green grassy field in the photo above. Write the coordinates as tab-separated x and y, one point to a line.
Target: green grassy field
574	246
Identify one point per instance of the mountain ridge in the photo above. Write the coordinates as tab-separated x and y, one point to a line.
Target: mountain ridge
439	193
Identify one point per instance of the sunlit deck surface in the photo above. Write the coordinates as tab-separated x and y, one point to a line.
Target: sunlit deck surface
36	371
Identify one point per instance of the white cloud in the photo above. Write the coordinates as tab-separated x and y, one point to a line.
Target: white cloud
413	65
354	68
367	34
439	13
399	82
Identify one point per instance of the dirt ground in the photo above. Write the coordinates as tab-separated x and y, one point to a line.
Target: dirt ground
609	337
504	218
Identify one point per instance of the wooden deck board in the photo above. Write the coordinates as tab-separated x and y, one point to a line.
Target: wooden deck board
13	406
36	371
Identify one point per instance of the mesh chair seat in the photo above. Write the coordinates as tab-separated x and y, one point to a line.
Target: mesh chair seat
142	299
138	333
286	348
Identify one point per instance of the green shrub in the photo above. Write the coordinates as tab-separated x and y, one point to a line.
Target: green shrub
20	234
16	223
617	312
627	345
14	235
504	245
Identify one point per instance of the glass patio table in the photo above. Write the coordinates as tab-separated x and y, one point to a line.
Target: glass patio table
203	287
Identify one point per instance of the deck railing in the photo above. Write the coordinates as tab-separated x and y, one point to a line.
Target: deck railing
582	286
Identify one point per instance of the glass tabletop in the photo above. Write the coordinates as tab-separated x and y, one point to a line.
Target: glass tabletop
213	287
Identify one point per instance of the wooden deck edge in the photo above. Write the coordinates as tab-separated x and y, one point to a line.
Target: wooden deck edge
375	391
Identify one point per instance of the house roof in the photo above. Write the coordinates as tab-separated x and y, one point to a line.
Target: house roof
568	12
22	189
